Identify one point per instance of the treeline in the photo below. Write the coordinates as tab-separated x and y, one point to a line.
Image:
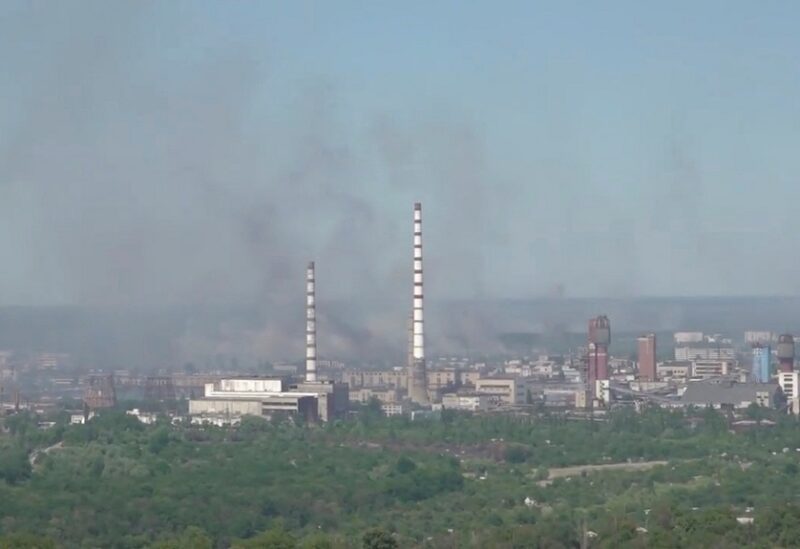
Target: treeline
377	482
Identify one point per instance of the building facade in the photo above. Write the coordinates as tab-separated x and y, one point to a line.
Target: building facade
647	357
760	372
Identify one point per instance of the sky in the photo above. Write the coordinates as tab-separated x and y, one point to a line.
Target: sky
202	152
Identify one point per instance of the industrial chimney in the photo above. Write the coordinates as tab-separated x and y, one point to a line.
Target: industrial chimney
417	379
311	325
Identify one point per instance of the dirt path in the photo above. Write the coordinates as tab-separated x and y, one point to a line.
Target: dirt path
35	454
577	470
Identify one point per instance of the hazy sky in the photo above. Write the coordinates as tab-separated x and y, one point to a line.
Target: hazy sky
194	152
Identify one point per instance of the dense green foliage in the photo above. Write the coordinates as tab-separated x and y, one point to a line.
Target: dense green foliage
460	481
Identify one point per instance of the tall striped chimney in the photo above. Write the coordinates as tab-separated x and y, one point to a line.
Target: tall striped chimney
418	383
311	324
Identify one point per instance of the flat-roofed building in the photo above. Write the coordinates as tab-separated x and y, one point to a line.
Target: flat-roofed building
472	402
384	394
469	377
510	390
447	378
375	378
730	394
705	351
390	409
704	369
674	369
790	385
254	396
333	398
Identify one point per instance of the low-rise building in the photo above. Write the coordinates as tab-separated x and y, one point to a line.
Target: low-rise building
704	369
447	378
730	394
790	385
257	396
706	351
582	399
148	418
376	378
390	409
674	369
470	377
472	402
384	394
510	390
333	398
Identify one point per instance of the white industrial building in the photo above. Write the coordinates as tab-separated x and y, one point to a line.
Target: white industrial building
705	369
730	394
508	391
687	337
706	351
234	397
790	385
390	409
471	402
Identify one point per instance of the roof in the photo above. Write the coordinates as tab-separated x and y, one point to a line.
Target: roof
725	392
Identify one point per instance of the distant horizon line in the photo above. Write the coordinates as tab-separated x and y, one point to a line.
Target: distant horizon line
431	299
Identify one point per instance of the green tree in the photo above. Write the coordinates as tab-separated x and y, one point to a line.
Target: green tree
192	538
378	539
26	541
275	538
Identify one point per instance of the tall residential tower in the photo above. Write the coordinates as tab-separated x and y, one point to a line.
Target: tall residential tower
647	357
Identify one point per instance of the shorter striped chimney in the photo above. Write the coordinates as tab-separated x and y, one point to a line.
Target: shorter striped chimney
418	380
311	324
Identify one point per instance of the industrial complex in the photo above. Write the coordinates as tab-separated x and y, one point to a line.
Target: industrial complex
689	369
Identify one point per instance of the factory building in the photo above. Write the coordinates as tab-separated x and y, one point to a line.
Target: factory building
647	357
674	370
333	398
365	394
312	399
471	402
730	394
253	396
376	378
448	378
760	371
391	409
705	369
507	391
706	351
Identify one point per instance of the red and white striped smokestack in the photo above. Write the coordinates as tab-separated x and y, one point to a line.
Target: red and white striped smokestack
418	382
311	324
418	328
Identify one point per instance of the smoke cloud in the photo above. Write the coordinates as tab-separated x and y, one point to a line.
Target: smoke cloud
151	160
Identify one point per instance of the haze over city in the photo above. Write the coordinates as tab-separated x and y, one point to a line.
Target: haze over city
195	153
384	275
